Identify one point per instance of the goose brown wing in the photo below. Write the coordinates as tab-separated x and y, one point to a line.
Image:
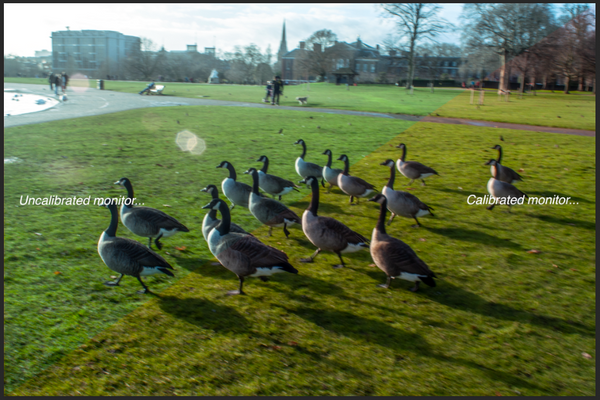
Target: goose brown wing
401	258
260	254
511	174
420	168
333	225
411	197
156	219
282	182
135	253
281	210
362	182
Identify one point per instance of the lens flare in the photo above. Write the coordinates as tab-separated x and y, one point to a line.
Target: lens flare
187	141
79	83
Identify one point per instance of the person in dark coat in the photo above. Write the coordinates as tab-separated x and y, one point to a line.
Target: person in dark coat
56	83
64	79
268	94
277	90
51	80
147	90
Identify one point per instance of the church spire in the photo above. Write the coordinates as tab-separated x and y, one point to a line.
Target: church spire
283	45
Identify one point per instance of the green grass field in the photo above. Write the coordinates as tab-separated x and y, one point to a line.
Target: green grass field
576	110
501	321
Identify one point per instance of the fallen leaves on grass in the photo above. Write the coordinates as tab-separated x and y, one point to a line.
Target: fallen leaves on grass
39	234
56	272
586	355
422	239
372	265
166	205
521	170
180	248
533	251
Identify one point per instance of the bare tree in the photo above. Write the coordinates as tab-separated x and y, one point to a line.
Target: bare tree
506	28
145	62
317	56
416	22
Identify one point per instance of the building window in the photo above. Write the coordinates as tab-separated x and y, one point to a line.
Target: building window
372	67
357	67
454	63
445	63
365	66
347	63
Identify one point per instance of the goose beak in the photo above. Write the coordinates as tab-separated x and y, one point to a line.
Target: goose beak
207	206
324	153
339	158
302	181
247	172
218	166
204	190
383	163
117	182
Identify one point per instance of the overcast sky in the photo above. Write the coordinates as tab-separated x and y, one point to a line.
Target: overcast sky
28	27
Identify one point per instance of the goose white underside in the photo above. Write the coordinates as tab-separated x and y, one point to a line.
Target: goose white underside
410	277
351	248
422	212
287	222
425	175
365	194
285	191
267	271
147	271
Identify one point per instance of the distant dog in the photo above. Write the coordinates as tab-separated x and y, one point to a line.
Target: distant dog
302	100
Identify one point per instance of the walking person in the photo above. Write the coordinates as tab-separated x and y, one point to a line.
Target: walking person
147	90
64	79
277	90
51	80
56	83
269	90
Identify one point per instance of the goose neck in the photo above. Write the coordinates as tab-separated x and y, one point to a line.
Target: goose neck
346	166
313	207
114	221
403	154
232	173
390	183
499	155
255	182
303	150
265	165
328	160
129	188
381	221
225	224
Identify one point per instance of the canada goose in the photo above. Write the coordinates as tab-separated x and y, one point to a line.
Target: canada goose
353	186
273	185
412	169
327	233
394	257
145	221
126	256
244	255
305	169
402	203
506	174
211	220
499	189
269	211
330	174
236	192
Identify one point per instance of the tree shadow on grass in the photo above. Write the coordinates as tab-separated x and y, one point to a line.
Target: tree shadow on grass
205	314
379	333
192	264
461	299
590	225
469	235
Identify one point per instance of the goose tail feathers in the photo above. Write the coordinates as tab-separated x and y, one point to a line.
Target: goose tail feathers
165	271
287	267
428	280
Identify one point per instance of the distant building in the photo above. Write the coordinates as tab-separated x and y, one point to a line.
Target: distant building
283	51
91	52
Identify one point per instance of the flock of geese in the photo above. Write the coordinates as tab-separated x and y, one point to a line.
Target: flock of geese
245	255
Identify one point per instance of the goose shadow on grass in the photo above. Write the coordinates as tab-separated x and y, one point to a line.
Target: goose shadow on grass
591	225
456	297
469	235
551	194
205	314
192	264
324	208
398	341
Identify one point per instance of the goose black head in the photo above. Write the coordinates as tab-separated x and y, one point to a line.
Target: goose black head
491	162
121	181
299	141
250	171
388	163
208	189
379	198
497	147
223	164
214	204
401	145
343	157
262	159
327	152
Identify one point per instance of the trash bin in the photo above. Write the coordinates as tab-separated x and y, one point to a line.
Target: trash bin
100	84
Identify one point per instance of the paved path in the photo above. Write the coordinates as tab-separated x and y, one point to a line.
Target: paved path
97	102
